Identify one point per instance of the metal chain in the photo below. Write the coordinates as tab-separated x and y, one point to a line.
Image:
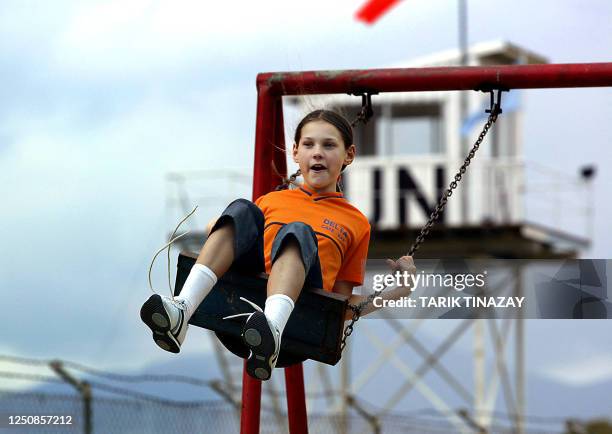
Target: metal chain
361	117
495	111
366	112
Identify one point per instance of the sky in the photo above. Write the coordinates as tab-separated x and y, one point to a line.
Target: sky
101	100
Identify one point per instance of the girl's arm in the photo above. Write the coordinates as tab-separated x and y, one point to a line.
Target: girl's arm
405	263
346	288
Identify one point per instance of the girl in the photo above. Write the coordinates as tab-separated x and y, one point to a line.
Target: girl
308	236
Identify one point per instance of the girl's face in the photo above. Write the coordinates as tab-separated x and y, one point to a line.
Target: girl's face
320	154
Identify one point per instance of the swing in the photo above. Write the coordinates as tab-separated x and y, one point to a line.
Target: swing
315	329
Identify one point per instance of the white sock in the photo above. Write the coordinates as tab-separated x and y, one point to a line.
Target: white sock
200	281
278	308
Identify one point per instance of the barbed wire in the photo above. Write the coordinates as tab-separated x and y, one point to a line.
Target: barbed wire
22	360
32	377
430	412
152	378
107	388
141	378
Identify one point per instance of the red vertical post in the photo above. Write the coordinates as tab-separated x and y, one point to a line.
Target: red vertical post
278	145
269	142
296	399
264	132
251	404
270	147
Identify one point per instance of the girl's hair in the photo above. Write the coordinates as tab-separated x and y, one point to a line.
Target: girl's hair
331	117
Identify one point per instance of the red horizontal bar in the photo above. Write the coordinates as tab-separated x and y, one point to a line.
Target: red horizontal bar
441	78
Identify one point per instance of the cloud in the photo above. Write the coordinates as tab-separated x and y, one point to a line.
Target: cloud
588	370
134	37
93	213
15	376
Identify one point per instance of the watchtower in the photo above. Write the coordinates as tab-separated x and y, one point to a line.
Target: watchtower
413	145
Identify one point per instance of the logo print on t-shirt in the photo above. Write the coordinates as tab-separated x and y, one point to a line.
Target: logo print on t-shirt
336	229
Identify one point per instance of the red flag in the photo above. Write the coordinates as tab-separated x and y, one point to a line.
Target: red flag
374	9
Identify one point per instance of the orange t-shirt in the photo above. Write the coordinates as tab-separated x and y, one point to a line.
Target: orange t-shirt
342	231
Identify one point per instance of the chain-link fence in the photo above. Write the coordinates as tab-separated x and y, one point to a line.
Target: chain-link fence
120	416
134	416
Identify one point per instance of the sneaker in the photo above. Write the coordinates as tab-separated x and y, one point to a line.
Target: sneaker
263	339
166	319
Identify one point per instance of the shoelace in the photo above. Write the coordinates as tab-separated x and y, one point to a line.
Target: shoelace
275	331
257	308
181	304
167	246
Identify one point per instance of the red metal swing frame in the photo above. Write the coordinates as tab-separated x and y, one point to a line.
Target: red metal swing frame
270	145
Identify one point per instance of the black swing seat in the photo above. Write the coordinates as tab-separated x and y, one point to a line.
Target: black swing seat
314	330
